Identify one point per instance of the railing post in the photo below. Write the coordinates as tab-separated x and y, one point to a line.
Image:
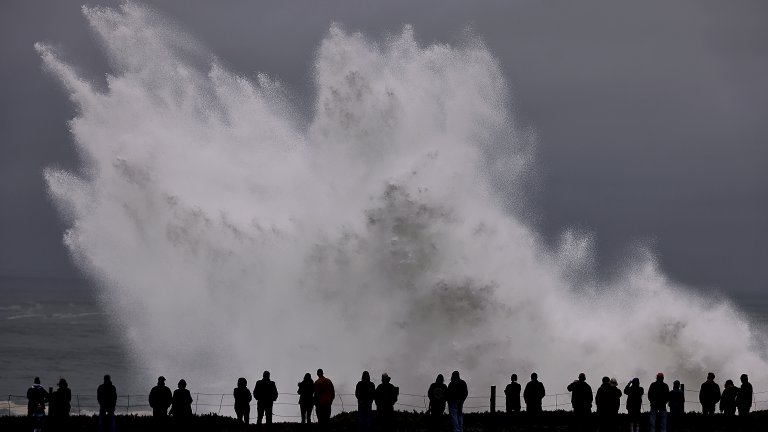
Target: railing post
128	407
78	404
221	402
341	399
555	401
9	405
197	396
493	399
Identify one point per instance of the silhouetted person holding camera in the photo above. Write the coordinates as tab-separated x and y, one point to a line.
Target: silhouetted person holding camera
106	395
437	394
37	397
242	401
365	392
457	394
658	396
265	393
709	395
385	396
160	399
581	401
181	404
324	396
512	393
607	402
676	406
306	398
533	395
634	403
728	399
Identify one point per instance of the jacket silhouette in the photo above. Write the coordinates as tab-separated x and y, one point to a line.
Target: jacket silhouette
512	393
160	398
676	399
106	395
306	398
60	400
744	396
365	392
709	395
533	394
181	402
265	393
242	400
437	394
658	395
386	395
581	394
324	396
728	399
37	396
608	398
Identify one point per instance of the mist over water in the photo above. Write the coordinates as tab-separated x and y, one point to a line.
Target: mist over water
230	237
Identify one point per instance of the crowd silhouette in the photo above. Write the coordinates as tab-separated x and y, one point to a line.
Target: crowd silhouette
666	407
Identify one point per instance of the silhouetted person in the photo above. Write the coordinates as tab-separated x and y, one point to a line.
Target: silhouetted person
607	401
744	397
160	399
512	393
634	403
581	401
533	394
658	396
709	395
728	399
676	406
306	398
385	396
365	392
36	396
59	407
106	395
324	396
265	393
457	394
438	396
181	404
242	401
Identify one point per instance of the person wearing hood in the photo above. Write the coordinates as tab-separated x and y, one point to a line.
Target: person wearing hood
437	394
365	392
242	400
457	394
37	396
634	403
728	399
265	393
181	403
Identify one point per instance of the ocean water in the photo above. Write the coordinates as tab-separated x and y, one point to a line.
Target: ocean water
55	328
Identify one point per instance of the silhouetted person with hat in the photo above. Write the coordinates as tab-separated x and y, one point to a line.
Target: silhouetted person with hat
607	402
658	396
324	396
385	396
709	395
437	394
181	404
59	408
106	395
457	394
676	406
242	401
634	403
533	395
512	394
37	396
306	398
160	399
265	393
365	393
728	399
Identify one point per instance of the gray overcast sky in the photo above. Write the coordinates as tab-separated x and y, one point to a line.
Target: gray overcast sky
650	116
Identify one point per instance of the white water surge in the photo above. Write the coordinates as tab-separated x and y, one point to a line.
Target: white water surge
230	238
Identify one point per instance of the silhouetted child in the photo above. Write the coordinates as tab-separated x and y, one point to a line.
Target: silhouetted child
242	401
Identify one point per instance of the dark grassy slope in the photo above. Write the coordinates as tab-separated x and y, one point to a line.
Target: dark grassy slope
406	422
